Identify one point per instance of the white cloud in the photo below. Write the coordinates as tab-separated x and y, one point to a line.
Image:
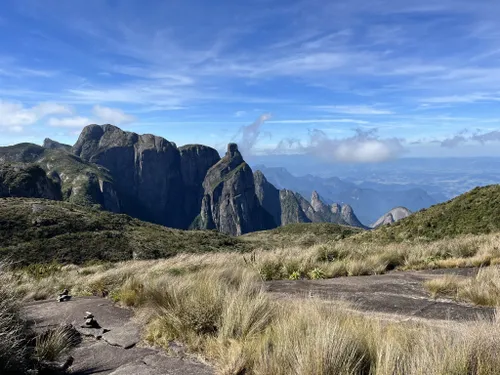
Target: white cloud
15	116
69	122
248	136
240	113
101	114
354	109
466	98
112	115
363	147
320	121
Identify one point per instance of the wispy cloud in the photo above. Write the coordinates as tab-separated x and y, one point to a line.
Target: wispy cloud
248	136
466	98
69	122
100	115
371	67
355	109
320	121
363	147
478	136
112	115
15	116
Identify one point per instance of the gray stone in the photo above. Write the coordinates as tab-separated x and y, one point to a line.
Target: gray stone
230	204
109	355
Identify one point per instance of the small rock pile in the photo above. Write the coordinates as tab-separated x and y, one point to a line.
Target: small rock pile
64	296
90	321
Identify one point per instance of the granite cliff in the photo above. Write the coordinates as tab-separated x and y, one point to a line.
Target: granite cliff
230	203
150	178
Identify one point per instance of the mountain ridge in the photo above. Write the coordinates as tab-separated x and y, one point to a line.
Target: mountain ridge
369	204
151	179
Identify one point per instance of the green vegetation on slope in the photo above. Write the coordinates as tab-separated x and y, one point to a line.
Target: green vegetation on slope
301	234
475	212
42	231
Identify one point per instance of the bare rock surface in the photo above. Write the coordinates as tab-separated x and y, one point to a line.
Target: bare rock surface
115	347
397	293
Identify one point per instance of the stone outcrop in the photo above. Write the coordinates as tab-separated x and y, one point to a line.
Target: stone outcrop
269	197
27	181
292	208
335	213
50	144
196	160
230	204
150	178
288	207
348	216
147	172
392	216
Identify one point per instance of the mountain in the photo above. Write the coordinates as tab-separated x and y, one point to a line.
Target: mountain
369	204
475	212
78	181
38	231
288	207
54	145
27	181
392	216
151	179
146	170
21	153
196	160
230	204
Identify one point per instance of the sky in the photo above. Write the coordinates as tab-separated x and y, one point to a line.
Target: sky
350	81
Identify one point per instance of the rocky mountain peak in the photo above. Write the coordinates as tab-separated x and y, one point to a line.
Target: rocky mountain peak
347	210
392	216
318	205
348	216
233	155
230	203
335	208
54	145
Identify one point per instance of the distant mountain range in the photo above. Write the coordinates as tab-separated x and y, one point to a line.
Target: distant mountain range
369	204
150	178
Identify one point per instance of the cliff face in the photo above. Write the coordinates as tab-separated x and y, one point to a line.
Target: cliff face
147	172
149	178
230	204
285	206
269	197
292	208
27	181
335	213
195	162
348	216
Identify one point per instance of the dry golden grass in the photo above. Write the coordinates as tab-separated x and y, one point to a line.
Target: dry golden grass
482	289
13	333
53	343
213	304
215	307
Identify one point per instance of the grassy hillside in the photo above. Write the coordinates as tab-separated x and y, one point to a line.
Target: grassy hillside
38	231
300	234
475	212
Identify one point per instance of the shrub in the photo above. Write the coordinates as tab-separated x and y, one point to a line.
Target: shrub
52	344
13	332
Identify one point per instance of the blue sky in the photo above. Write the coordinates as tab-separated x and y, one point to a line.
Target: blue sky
356	81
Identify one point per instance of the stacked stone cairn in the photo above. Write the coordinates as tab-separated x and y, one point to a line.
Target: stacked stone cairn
90	321
64	296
